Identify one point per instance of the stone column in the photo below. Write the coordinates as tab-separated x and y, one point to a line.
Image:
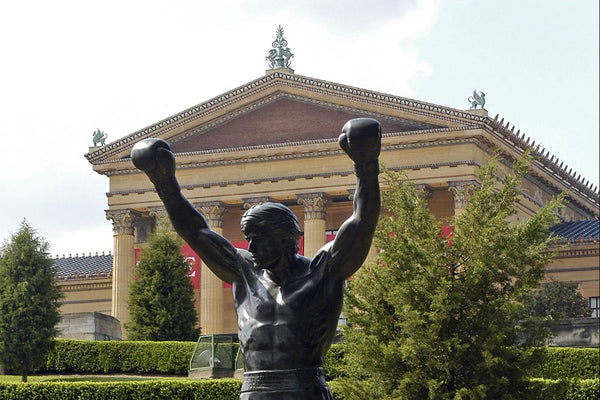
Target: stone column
211	287
461	192
123	262
315	205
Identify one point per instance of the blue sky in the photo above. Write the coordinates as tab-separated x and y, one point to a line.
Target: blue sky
70	67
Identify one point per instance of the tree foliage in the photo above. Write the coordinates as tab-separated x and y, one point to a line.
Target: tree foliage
29	301
161	303
438	315
557	300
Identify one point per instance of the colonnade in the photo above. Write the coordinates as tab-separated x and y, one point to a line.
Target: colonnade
211	290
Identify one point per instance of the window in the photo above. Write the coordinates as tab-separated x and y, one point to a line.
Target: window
595	306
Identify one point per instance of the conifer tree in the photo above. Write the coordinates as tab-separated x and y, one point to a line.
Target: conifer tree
557	300
438	316
29	301
161	303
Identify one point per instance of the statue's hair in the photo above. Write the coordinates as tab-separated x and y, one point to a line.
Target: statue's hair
274	218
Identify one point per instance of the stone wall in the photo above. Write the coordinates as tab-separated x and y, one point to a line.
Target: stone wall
89	326
576	332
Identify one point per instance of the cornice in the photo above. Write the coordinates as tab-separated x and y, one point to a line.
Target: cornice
84	284
543	159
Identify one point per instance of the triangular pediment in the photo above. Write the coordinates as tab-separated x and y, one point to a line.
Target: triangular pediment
282	119
283	108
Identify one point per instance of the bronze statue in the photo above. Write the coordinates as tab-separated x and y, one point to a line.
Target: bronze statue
287	305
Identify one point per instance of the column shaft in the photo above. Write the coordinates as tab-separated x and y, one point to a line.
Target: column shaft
211	287
123	262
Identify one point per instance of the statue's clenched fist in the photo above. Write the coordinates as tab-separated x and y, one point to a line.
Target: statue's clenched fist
154	157
361	139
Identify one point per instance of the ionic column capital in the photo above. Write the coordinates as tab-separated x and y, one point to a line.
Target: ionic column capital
314	204
213	211
123	220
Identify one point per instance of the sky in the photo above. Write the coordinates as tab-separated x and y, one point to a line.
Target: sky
70	67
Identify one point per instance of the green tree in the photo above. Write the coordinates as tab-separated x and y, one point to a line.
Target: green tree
29	301
161	303
438	316
557	300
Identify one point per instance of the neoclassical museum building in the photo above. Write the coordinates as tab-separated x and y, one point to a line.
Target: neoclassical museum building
275	138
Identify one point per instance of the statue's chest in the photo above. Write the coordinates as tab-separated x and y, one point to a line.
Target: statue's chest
265	300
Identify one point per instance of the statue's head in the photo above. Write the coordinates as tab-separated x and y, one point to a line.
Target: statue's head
274	220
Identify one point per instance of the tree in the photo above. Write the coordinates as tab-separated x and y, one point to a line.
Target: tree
438	316
161	303
557	300
29	301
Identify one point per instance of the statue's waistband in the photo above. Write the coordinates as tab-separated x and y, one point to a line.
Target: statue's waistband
283	379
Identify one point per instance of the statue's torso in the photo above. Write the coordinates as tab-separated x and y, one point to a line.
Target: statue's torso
288	326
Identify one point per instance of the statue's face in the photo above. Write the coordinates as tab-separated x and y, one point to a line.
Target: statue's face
266	249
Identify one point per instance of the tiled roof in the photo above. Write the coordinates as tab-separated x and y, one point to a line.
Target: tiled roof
577	230
82	267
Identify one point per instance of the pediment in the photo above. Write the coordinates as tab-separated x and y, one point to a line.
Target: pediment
281	119
282	108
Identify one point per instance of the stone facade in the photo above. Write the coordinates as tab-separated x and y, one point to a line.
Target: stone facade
275	138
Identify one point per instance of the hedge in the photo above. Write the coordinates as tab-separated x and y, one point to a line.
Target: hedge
223	389
172	358
93	357
575	363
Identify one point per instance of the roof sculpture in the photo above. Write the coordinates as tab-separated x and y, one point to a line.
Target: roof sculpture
280	55
477	99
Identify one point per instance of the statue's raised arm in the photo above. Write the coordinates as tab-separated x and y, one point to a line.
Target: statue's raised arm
361	140
154	157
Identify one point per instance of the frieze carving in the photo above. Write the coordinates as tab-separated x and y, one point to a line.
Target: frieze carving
123	220
314	204
214	211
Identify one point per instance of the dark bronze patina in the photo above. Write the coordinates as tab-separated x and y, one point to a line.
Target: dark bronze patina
287	305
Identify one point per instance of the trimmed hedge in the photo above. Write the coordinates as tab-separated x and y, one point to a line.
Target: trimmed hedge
93	357
222	389
172	358
568	389
574	363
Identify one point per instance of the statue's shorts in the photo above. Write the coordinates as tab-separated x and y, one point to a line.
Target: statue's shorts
285	384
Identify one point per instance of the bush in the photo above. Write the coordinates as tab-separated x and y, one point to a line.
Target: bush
92	357
223	389
568	389
572	363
